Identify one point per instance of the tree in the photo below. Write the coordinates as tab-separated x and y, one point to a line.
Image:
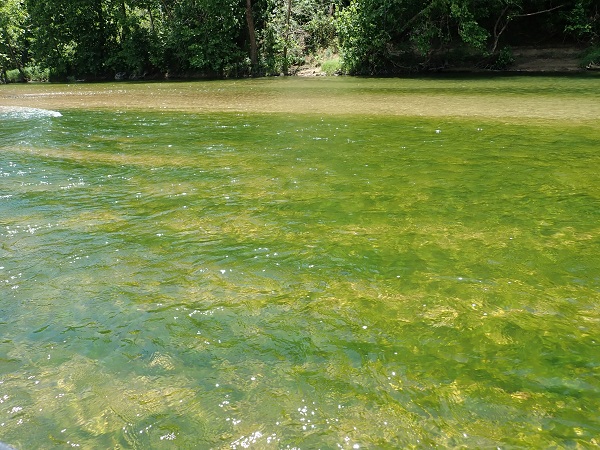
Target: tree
363	29
294	30
98	38
13	26
386	35
512	10
205	36
252	37
137	48
72	37
583	21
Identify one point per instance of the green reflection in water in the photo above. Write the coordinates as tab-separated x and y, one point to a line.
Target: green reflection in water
225	280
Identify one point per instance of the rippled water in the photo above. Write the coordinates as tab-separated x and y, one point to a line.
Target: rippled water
242	280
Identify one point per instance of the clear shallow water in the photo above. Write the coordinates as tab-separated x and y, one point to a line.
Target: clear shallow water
230	280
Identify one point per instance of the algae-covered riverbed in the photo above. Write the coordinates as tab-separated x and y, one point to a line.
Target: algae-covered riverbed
290	263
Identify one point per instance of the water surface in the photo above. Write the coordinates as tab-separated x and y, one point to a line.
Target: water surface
234	279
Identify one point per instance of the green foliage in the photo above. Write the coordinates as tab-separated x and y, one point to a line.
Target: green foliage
362	36
135	44
583	21
331	66
204	37
504	59
320	32
591	57
294	30
32	73
71	37
14	76
13	28
378	35
96	39
469	30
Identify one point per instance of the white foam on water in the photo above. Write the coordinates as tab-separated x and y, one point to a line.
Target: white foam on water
22	112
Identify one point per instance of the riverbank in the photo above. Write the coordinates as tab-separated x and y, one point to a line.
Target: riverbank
565	59
547	59
526	59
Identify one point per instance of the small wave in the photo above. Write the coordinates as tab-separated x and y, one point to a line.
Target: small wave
21	112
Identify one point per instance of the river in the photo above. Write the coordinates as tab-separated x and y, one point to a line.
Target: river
286	263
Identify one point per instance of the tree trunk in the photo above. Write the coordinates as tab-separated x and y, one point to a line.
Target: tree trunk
498	31
122	22
287	36
151	19
252	36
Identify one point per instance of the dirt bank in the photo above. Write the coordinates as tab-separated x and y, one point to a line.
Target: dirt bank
546	59
540	59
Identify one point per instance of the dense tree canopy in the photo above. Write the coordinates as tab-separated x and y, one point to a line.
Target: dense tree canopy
13	27
100	39
380	35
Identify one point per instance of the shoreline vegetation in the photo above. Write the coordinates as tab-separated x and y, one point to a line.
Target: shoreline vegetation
101	40
528	60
